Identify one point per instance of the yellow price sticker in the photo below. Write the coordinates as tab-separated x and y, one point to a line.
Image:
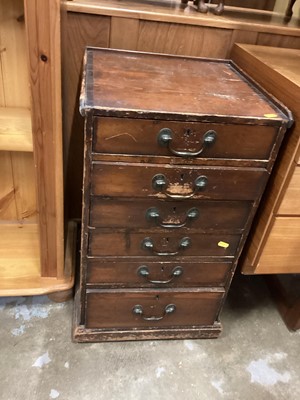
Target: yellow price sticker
270	115
223	244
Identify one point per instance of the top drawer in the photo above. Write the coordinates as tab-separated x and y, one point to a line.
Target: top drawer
182	139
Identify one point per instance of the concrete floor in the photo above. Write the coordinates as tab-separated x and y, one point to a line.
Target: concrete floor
255	358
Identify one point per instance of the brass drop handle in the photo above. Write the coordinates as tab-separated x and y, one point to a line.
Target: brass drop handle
153	214
147	244
165	138
159	183
144	272
138	310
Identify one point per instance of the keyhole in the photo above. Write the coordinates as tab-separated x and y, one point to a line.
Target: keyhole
188	132
162	269
164	242
174	210
157	297
181	177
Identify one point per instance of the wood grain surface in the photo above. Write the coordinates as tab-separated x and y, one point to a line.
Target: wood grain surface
14	83
20	270
120	84
278	70
114	309
120	273
171	27
213	215
143	85
281	251
135	181
108	243
172	11
138	136
43	37
15	129
290	204
78	31
24	186
8	208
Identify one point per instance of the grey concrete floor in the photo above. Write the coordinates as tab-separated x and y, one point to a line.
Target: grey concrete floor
255	358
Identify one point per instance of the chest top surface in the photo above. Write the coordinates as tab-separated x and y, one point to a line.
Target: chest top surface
125	83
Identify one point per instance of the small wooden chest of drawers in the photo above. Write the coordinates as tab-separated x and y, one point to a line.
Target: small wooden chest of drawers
177	154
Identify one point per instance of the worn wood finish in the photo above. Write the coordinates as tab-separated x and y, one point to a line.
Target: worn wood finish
112	243
119	273
82	334
113	309
140	137
135	180
113	300
177	161
213	215
121	68
160	27
278	70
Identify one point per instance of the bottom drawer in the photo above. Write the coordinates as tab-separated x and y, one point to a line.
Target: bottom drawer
155	308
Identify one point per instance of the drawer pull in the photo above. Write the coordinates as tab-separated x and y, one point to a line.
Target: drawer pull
153	214
144	272
148	244
165	137
159	183
138	310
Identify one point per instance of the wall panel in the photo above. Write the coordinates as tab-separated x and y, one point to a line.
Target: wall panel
81	30
119	40
269	39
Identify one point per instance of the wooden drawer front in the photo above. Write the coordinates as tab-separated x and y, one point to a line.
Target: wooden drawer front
123	243
115	309
205	215
131	273
281	253
138	136
135	180
290	204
